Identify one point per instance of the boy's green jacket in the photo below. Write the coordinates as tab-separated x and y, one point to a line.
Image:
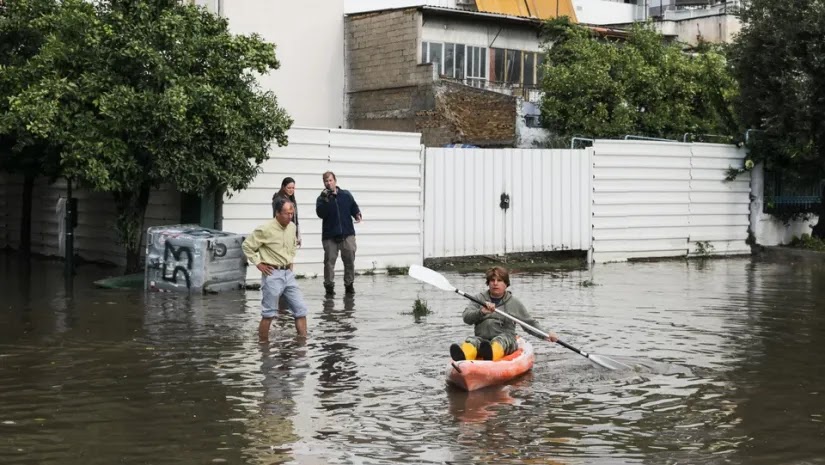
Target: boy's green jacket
491	325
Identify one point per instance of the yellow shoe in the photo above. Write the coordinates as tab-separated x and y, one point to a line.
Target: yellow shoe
465	351
498	351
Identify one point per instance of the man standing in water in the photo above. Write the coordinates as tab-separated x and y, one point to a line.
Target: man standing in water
337	208
272	248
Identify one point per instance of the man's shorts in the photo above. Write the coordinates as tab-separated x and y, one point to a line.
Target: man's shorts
281	282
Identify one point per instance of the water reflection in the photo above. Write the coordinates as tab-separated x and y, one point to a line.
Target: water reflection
478	406
338	372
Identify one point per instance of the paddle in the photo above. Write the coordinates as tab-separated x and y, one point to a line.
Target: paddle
438	280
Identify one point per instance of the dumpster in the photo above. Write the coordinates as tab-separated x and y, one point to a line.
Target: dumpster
191	258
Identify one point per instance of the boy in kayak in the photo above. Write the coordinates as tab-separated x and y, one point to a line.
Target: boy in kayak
495	334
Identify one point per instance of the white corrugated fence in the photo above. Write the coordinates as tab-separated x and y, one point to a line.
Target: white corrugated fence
381	169
549	193
665	199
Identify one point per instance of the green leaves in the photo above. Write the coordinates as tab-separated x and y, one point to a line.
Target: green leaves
641	86
141	93
121	96
779	62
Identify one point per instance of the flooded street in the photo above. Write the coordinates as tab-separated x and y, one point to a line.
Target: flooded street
730	358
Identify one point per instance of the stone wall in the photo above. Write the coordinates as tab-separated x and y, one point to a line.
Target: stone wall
467	115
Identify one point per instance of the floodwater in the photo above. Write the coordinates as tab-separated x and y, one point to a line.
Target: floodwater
729	360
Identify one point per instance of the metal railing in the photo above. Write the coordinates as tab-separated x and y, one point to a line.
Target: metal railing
788	195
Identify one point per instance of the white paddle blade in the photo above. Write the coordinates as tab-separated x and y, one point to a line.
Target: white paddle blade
430	277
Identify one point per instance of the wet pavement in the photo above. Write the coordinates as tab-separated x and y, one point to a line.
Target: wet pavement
730	358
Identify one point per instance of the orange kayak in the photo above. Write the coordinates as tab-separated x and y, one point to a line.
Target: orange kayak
476	374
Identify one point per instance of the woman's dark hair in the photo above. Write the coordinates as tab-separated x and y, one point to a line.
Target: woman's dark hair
287	180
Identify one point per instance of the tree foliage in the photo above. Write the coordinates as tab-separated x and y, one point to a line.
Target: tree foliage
139	94
641	86
20	40
778	61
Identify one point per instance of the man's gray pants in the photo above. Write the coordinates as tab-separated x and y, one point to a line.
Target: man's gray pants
347	249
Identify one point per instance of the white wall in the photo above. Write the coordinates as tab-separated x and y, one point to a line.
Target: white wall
660	199
766	229
358	6
309	35
383	170
715	29
549	201
606	12
479	34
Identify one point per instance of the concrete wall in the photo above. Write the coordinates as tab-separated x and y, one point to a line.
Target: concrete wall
309	35
717	29
607	12
382	51
766	229
359	6
385	84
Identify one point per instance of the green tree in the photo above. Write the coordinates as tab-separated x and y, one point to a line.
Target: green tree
778	60
20	39
643	85
138	94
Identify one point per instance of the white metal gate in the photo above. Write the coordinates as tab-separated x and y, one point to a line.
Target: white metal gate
548	193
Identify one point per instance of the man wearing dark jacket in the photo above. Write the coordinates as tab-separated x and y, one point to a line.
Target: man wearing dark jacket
337	208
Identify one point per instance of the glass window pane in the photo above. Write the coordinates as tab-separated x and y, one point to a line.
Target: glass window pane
436	56
529	69
459	61
539	67
513	66
449	60
424	56
498	65
483	68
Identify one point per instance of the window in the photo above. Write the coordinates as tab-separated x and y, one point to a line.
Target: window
459	61
497	57
539	68
432	52
513	66
449	60
529	69
476	65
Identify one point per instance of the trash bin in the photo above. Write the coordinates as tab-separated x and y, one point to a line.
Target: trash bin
191	258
